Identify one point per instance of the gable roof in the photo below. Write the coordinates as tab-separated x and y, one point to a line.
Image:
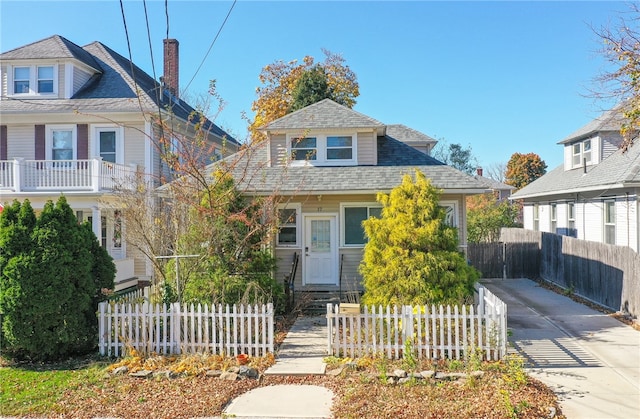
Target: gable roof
619	170
408	135
54	47
112	89
324	114
494	184
610	120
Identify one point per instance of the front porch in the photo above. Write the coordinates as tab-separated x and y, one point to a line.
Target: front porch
92	175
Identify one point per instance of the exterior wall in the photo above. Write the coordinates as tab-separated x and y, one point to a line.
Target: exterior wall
21	141
527	217
133	142
3	81
367	149
278	147
80	77
610	143
350	255
61	80
592	221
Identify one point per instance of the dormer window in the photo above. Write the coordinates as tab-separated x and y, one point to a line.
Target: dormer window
34	80
323	150
581	153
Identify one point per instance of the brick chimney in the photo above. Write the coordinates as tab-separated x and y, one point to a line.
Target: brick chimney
479	171
171	66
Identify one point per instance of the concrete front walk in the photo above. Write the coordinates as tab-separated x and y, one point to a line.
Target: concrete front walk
301	353
589	359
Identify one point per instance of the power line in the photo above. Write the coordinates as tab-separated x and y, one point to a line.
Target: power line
210	46
133	74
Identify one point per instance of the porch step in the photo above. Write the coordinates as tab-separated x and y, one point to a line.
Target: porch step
315	301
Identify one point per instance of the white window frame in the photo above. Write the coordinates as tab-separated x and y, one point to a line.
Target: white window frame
33	81
298	224
97	129
571	216
553	217
454	222
343	222
582	153
49	139
608	223
536	217
321	150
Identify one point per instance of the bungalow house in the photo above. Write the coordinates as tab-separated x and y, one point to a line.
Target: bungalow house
501	190
327	162
593	195
76	121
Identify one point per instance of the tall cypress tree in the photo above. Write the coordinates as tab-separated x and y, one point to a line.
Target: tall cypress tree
412	255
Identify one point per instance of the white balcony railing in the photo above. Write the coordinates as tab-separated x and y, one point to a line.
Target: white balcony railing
95	175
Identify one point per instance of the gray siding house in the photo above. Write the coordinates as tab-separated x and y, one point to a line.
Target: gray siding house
327	162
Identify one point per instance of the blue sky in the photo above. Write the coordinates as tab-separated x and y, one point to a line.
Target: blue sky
501	77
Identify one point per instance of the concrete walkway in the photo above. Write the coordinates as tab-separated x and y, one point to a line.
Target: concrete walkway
301	353
589	359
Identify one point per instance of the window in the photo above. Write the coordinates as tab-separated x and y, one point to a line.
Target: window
571	216
304	148
107	145
610	222
62	144
21	80
451	215
581	153
323	150
288	226
353	217
536	217
34	80
554	218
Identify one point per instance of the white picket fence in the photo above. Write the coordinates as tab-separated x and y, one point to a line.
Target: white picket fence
432	332
176	329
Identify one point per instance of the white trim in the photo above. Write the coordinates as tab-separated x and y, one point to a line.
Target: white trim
96	129
456	217
33	80
321	149
49	139
148	150
342	222
298	208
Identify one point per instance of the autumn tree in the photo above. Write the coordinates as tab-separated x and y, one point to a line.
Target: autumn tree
486	216
279	80
621	48
456	156
522	169
412	255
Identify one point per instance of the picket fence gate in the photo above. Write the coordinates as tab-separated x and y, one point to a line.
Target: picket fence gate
429	331
175	329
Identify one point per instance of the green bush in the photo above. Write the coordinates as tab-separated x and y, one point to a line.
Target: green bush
52	271
412	255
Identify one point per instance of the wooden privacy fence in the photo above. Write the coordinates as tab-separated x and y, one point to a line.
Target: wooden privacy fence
432	332
176	329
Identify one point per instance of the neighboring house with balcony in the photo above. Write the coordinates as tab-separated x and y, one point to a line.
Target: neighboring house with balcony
326	163
76	121
593	195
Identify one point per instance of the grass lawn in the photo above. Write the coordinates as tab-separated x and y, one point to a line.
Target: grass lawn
84	388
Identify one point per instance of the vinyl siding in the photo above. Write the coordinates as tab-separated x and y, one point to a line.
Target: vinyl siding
3	80
610	143
80	77
134	140
527	217
278	147
626	222
592	222
367	149
61	81
20	142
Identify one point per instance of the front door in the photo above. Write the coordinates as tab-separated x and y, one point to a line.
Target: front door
320	251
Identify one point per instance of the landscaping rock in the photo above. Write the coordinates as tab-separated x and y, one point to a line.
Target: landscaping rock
336	371
416	376
248	372
477	374
391	380
141	374
399	373
404	380
428	374
121	370
235	370
162	374
213	373
229	376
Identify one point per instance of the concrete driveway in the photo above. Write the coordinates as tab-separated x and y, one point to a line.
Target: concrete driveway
590	360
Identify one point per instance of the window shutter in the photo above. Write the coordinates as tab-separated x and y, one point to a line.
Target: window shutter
3	142
83	142
40	142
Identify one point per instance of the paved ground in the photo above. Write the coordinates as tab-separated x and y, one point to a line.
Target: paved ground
301	353
591	360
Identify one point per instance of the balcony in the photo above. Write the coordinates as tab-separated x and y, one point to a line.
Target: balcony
92	175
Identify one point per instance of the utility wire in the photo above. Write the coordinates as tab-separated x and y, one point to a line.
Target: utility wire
133	74
210	46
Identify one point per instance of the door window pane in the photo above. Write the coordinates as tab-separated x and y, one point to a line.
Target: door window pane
108	146
320	236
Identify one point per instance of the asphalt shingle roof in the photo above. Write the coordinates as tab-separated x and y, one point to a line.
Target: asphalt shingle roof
404	133
610	120
113	89
618	170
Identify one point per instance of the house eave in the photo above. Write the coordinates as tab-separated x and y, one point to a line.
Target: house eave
576	190
360	192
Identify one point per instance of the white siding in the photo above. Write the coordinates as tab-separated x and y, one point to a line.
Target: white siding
21	141
3	80
367	147
610	143
626	222
134	140
80	77
561	215
61	83
544	217
567	156
593	222
527	217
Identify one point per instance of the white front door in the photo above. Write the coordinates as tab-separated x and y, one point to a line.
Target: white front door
320	251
